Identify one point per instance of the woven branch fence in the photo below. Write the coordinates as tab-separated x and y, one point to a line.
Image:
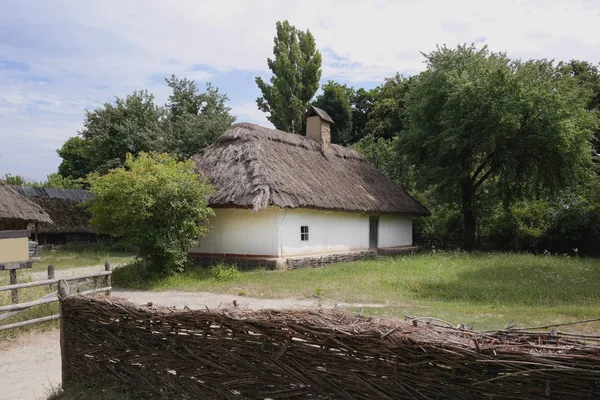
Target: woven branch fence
155	353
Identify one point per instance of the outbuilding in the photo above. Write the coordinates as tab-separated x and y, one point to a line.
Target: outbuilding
300	200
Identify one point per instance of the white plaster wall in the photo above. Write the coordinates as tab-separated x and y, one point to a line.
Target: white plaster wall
329	231
241	231
395	230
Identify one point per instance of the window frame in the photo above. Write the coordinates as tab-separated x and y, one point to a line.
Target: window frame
304	233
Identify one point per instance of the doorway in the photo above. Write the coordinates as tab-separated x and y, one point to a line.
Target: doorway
373	233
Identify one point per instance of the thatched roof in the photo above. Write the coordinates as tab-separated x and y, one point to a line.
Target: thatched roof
13	206
254	167
65	207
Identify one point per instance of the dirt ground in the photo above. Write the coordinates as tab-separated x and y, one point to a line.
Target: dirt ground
30	364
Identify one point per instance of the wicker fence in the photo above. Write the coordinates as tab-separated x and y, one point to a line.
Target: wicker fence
149	352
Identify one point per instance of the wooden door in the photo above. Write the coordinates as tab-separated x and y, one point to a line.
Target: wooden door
373	233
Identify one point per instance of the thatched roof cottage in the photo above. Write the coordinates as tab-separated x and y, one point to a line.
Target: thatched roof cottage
285	196
65	207
16	212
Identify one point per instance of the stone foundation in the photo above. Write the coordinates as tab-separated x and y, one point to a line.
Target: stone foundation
243	263
326	259
317	260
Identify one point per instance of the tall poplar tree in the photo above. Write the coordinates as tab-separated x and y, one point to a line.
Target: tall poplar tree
296	72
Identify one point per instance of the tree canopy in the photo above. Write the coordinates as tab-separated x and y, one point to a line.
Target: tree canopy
477	117
194	119
154	202
190	121
336	99
296	71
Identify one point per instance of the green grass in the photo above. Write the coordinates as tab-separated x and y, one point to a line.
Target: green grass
75	256
482	290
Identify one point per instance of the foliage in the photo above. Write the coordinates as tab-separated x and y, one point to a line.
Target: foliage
53	180
296	72
478	117
194	119
190	121
224	272
386	117
75	163
155	203
336	100
362	102
130	125
16	180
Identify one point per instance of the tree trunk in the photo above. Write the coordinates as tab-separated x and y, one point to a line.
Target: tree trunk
470	223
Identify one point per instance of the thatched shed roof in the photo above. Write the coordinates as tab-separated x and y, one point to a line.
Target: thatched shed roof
65	207
253	166
14	206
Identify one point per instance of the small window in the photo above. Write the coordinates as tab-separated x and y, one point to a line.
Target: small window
304	233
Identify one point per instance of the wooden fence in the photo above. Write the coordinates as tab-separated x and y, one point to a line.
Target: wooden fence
159	353
9	310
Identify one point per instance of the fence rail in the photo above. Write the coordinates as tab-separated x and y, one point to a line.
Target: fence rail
9	310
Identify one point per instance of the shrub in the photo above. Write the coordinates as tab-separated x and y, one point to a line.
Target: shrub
154	202
224	272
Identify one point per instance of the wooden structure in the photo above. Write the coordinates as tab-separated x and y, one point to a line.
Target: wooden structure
16	212
66	208
93	280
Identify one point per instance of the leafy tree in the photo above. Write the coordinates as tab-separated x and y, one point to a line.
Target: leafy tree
190	121
296	72
16	180
362	101
194	119
477	117
588	76
131	125
154	202
336	99
386	112
75	163
58	181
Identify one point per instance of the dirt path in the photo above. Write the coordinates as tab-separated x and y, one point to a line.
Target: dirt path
30	364
69	272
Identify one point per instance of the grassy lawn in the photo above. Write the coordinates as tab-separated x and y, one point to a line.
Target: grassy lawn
484	291
81	256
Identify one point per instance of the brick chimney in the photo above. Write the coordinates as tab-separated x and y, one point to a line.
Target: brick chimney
318	127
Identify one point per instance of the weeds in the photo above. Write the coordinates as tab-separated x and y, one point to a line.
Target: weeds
224	272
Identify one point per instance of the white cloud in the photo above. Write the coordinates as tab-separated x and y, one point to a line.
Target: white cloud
81	54
248	112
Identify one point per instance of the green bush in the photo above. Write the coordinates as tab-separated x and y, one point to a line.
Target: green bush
155	203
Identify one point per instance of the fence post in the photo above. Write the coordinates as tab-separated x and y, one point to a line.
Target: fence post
50	274
14	293
107	268
63	293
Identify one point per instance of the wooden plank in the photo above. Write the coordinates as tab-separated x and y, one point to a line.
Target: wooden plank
11	313
23	306
14	293
51	281
104	289
51	275
29	322
107	268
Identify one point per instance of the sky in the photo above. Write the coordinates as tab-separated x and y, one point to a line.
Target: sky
60	58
